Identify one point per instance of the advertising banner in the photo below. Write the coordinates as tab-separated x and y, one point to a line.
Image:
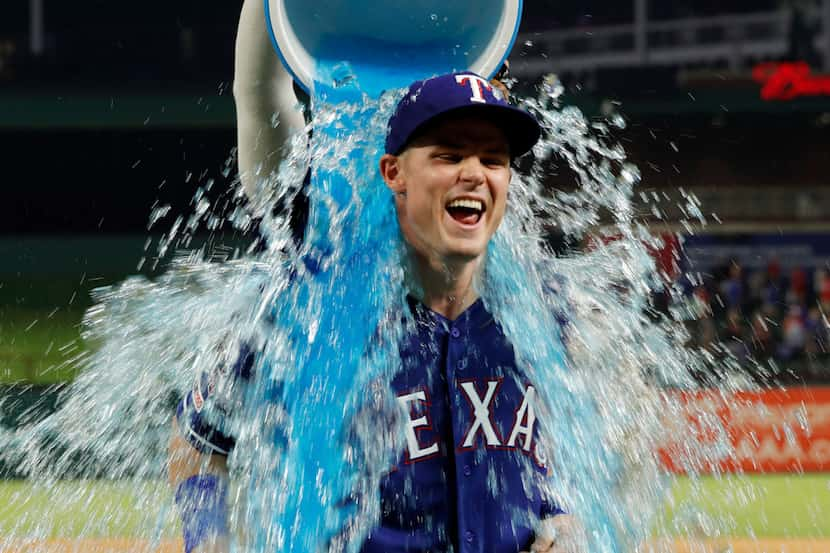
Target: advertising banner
756	250
754	432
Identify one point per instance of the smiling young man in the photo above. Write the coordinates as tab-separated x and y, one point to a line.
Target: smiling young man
468	478
471	456
450	186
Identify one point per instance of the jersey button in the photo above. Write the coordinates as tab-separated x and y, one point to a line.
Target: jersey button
469	536
468	470
461	364
455	333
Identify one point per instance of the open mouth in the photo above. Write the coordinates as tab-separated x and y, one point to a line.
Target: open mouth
466	211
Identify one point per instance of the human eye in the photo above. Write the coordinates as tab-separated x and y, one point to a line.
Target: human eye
496	161
451	157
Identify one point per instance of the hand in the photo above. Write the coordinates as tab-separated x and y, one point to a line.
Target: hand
500	76
560	534
501	88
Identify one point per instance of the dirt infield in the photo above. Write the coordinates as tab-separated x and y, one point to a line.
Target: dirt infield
661	546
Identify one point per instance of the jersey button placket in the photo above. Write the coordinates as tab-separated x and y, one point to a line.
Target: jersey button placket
457	362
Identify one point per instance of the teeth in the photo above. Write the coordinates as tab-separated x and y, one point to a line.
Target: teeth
469	204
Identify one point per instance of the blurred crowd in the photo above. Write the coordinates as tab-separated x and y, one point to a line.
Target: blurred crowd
767	315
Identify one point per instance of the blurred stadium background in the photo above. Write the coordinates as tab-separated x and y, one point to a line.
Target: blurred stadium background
108	109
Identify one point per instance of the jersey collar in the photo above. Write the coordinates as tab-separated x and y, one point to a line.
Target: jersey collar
474	317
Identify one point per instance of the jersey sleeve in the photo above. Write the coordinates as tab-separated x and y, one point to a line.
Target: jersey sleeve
204	413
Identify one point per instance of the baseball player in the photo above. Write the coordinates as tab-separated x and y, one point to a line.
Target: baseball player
467	478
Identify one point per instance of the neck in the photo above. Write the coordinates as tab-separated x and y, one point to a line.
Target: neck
448	288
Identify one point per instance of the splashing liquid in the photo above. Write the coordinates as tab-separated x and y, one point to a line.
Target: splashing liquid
325	319
345	290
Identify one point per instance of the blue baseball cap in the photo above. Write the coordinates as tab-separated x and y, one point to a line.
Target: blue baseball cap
459	93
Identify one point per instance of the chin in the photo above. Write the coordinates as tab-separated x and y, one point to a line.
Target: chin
465	252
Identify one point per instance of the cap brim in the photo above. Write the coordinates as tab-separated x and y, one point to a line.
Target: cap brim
519	127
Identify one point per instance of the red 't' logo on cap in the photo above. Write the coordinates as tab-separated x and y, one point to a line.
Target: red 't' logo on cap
477	84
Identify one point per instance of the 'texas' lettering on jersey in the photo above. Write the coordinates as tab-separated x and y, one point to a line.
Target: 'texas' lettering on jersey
483	428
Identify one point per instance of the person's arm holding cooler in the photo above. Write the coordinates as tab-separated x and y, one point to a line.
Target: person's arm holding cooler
262	89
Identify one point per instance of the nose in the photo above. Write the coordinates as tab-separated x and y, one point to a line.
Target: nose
472	171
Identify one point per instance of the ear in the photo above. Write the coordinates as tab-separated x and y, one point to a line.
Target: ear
390	170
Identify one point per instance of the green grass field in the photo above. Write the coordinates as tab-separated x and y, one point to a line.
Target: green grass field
792	506
90	509
37	345
786	506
